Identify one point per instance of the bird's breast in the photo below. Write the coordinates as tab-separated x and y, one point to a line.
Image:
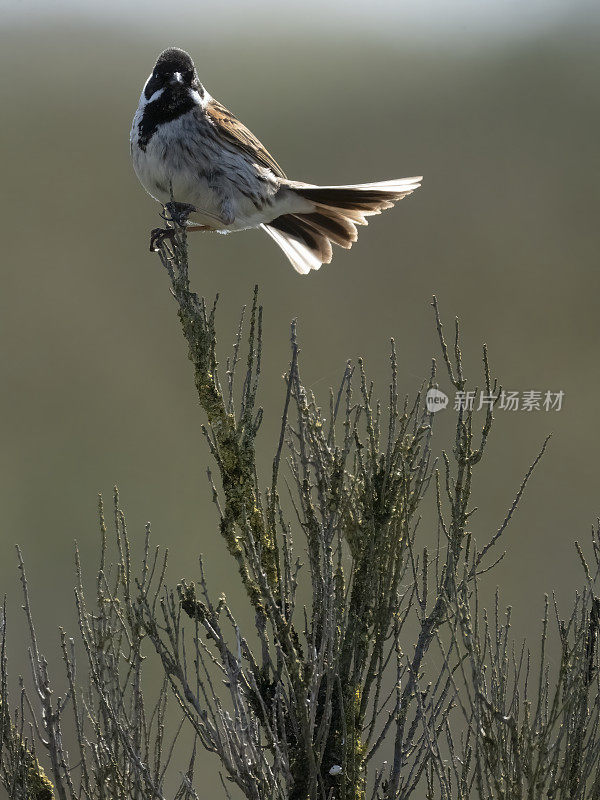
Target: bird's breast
187	160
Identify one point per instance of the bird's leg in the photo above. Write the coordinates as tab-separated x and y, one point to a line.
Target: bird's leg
179	212
192	227
178	216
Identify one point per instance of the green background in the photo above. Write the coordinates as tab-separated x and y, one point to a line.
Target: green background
96	388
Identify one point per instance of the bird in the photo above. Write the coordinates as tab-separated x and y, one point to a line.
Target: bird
197	159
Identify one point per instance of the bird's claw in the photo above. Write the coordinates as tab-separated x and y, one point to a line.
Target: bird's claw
158	236
178	212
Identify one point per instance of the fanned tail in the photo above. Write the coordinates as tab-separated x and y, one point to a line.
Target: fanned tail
306	238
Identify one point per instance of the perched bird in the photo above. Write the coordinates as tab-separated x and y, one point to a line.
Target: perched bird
188	148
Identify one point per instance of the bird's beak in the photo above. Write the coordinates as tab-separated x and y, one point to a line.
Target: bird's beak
176	78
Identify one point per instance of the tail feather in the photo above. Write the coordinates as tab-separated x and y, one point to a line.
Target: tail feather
395	184
306	237
352	215
299	254
300	228
338	229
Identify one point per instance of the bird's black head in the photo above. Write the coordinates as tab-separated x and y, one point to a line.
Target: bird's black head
172	90
174	70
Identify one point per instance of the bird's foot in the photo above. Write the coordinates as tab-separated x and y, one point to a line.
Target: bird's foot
158	237
176	216
178	212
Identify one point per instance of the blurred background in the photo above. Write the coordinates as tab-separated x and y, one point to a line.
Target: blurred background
494	102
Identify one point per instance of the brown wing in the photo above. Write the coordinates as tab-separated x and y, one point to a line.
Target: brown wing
232	129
